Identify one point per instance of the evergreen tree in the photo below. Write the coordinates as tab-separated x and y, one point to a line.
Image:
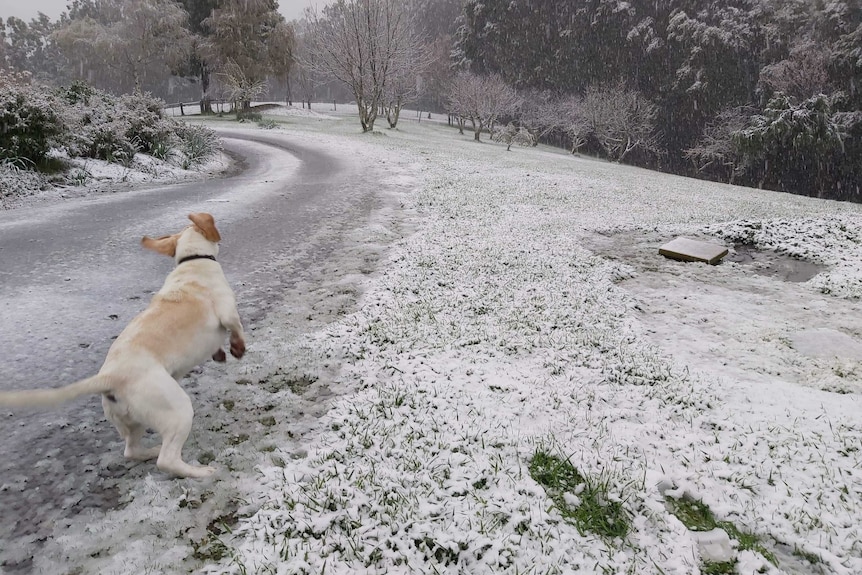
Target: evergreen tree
197	64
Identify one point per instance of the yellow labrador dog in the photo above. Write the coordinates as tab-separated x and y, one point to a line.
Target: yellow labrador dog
185	324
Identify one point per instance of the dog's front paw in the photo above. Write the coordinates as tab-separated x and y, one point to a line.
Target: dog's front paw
237	347
202	472
220	356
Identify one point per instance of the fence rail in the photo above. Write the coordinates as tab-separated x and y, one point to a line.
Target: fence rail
195	107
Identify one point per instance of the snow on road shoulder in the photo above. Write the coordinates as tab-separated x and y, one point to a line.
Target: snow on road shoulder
89	176
493	335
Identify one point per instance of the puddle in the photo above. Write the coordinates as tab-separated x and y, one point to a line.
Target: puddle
772	264
640	249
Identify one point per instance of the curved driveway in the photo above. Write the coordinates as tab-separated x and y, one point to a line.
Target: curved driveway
73	274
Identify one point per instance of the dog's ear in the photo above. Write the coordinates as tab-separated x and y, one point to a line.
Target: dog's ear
205	224
165	245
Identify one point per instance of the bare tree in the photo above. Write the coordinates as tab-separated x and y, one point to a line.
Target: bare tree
360	43
574	122
302	74
144	33
240	87
482	100
621	120
305	78
715	151
404	85
804	74
540	113
512	134
462	91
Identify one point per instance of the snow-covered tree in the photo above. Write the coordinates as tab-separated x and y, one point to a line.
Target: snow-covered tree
361	43
282	57
540	113
246	35
574	122
132	37
198	64
794	146
30	47
482	100
512	134
802	75
240	87
620	120
305	78
3	63
715	152
437	21
406	79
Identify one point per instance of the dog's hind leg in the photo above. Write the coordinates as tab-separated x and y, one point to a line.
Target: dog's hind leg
131	431
134	450
174	431
163	406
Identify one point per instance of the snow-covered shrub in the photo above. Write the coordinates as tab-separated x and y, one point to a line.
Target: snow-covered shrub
107	141
148	128
77	93
29	122
17	181
197	143
114	129
98	129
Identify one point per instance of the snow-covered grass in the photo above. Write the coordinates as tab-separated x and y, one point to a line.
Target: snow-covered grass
529	315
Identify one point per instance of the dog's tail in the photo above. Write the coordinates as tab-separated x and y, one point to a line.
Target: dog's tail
54	397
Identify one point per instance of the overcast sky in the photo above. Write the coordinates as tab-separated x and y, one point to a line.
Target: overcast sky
27	9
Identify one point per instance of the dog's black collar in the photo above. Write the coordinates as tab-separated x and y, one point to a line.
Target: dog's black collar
197	257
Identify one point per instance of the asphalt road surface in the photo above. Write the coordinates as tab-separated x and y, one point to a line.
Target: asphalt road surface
73	274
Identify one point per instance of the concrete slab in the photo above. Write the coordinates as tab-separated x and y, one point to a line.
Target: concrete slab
687	250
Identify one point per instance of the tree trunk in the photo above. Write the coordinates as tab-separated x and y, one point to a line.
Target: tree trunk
393	113
367	114
206	102
476	129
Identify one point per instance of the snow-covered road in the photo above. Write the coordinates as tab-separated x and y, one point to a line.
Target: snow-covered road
73	274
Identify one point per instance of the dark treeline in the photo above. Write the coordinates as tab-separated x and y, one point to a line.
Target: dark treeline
760	92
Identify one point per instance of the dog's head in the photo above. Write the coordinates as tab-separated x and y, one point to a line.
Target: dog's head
200	238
